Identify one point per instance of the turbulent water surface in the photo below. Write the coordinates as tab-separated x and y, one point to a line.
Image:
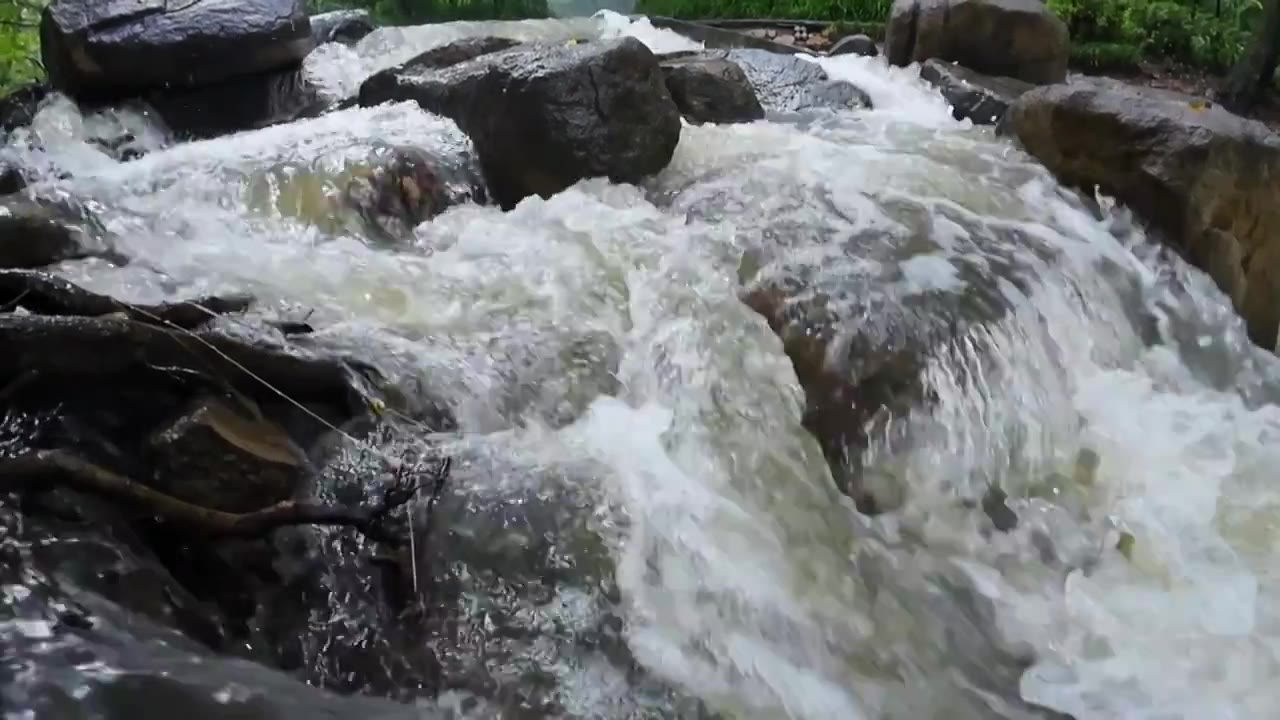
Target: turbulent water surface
603	371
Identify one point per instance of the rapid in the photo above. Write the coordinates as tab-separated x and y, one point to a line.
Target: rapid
611	390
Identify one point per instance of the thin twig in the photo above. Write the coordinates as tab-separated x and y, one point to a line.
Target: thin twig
63	468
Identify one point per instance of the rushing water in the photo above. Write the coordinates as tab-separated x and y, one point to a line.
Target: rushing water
596	355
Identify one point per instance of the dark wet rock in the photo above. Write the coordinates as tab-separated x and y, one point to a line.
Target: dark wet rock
106	50
18	107
242	103
855	45
711	90
341	26
789	84
544	117
97	348
1013	38
521	587
972	95
382	84
1201	175
407	186
717	38
46	294
223	455
12	179
32	236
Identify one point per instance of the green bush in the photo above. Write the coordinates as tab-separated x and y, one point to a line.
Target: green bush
19	42
1105	57
1158	29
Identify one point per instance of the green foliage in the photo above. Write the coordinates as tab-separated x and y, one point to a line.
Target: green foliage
1105	57
19	42
1108	33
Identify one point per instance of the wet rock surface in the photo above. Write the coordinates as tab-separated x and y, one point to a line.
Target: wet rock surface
972	95
854	45
1014	38
18	107
785	83
341	26
108	50
383	84
544	117
242	103
1203	176
711	90
34	235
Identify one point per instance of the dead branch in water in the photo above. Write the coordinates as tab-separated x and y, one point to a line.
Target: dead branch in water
61	468
45	294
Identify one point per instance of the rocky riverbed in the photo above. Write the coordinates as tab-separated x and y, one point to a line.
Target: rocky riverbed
616	368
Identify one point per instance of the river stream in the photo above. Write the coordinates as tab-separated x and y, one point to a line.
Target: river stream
602	369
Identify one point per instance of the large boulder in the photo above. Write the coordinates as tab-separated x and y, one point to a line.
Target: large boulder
1204	177
105	50
711	90
980	98
242	103
383	83
1015	38
544	117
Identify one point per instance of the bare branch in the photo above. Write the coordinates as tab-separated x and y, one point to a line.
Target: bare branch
61	468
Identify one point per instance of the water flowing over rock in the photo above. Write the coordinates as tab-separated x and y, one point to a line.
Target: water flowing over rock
583	457
544	117
711	90
972	95
722	39
1202	175
1016	38
107	50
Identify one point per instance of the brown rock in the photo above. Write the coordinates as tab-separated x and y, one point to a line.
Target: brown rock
1206	178
220	455
1015	38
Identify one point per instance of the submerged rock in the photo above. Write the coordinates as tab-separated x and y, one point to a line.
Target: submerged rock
409	187
341	26
854	45
1203	176
1015	38
973	96
711	90
544	117
108	50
